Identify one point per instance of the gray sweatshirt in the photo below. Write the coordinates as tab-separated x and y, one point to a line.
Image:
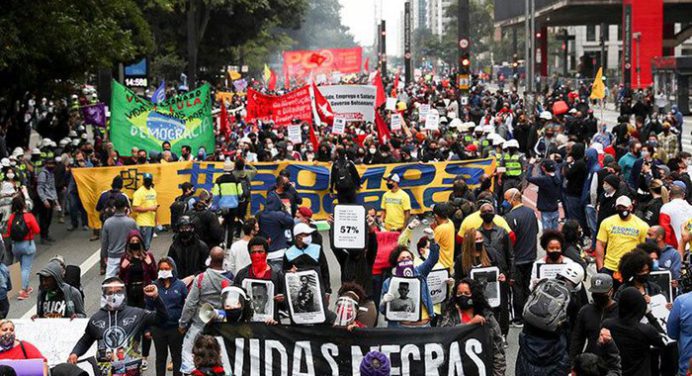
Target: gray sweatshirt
45	186
206	288
114	234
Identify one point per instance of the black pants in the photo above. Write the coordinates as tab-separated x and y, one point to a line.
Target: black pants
166	339
522	279
242	215
346	197
45	216
4	308
230	225
502	312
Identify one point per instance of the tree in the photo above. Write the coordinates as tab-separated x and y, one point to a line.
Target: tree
48	43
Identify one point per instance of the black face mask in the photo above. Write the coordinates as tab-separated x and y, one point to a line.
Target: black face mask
487	217
485	184
234	315
601	299
186	235
390	185
623	214
479	246
641	278
463	301
142	160
554	256
135	246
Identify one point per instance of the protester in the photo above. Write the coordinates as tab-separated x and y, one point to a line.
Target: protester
145	205
669	258
56	298
344	178
237	256
45	187
205	222
137	269
396	205
189	252
674	213
114	236
274	224
12	348
207	357
587	328
227	191
678	328
617	235
549	185
21	229
305	255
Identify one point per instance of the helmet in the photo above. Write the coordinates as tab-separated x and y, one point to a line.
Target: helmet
546	115
573	273
184	221
511	144
455	123
18	151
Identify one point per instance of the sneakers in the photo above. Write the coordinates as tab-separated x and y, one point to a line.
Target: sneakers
23	295
70	228
30	290
518	323
145	365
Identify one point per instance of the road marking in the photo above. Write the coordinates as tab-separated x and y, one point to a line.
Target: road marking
85	267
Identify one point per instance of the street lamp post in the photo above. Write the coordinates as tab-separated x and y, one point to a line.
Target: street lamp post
638	38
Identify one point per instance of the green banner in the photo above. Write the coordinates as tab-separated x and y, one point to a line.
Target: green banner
184	119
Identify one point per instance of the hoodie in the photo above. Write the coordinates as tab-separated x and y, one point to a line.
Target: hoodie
206	288
549	191
47	302
275	225
633	338
592	168
576	172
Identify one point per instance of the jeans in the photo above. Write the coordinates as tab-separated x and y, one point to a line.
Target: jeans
147	233
230	225
24	251
77	211
187	361
574	210
166	339
112	267
522	278
549	220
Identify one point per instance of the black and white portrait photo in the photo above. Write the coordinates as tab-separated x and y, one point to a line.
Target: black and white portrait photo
305	297
261	295
488	278
405	305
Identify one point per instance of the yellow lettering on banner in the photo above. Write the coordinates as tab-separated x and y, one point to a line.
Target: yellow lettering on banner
425	183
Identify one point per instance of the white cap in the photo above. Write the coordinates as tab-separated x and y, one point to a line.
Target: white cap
18	151
302	228
394	177
245	140
497	140
84	136
623	201
466	126
443	120
573	111
64	142
75	142
546	115
35	151
488	129
72	134
510	144
598	147
5	162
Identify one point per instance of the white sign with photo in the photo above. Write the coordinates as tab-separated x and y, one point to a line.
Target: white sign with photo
432	121
55	338
423	111
349	227
406	304
663	279
339	126
294	134
261	295
489	279
660	312
395	122
549	270
437	284
305	297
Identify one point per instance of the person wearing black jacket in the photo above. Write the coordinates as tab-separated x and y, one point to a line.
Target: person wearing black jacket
575	172
286	191
549	191
591	316
344	178
606	201
188	251
206	223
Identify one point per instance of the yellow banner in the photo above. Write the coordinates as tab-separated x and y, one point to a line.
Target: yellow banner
426	183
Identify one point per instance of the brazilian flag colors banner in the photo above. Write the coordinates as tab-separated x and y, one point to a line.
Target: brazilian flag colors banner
184	119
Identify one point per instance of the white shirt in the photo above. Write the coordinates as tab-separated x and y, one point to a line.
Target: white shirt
237	257
679	211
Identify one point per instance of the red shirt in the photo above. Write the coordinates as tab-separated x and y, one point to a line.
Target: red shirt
31	223
16	352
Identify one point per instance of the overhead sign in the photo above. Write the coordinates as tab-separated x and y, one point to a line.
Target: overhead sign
136	75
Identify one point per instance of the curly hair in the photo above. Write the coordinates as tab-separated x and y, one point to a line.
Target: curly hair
354	288
549	235
206	352
480	302
632	263
395	254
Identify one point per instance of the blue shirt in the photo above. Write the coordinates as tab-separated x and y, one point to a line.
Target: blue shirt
626	164
670	260
679	327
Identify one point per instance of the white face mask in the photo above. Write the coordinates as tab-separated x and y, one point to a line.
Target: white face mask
289	148
372	151
165	274
10	176
112	302
307	239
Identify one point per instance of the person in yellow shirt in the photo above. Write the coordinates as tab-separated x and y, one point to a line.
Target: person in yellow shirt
396	205
474	221
618	235
145	204
444	235
686	237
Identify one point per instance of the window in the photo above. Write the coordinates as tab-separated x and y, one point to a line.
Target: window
590	33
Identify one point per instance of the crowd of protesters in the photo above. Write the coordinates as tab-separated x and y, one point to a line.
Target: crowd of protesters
614	195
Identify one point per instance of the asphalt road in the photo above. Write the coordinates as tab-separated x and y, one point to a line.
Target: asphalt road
76	248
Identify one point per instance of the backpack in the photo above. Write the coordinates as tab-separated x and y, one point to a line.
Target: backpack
19	229
247	188
73	277
343	179
178	209
546	307
109	209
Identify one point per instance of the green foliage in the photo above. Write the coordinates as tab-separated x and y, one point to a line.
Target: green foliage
48	41
167	67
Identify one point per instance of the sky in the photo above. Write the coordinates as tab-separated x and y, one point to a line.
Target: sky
359	17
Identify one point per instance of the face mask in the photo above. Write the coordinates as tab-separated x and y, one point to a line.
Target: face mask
506	205
259	262
112	302
141	160
414	154
390	185
645	154
487	217
608	189
135	246
7	341
641	278
655	265
623	214
234	315
10	176
404	269
600	300
372	151
464	302
307	239
289	148
479	246
346	311
186	235
165	274
652	241
554	256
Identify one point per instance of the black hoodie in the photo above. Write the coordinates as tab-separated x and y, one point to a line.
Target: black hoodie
71	297
576	172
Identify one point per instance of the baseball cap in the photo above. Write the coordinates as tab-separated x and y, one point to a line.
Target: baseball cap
680	184
601	283
623	201
305	211
302	228
394	177
147	175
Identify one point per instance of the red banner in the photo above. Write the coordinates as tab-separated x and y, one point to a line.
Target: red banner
301	64
281	109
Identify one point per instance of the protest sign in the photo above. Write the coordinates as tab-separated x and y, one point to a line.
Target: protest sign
259	349
294	134
349	227
279	109
183	119
353	102
488	278
437	284
659	313
55	338
663	279
407	300
339	126
95	114
423	111
432	120
549	270
304	292
426	183
395	122
303	63
390	104
261	295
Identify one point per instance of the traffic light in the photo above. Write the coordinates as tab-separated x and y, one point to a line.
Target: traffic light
515	62
465	63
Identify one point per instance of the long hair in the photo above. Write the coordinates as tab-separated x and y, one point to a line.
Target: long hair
480	302
206	352
468	251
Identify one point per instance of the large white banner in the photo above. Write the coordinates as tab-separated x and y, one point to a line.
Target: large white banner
353	102
55	338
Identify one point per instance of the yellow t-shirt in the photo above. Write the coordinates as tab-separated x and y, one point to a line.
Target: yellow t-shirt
474	220
687	228
145	198
444	237
395	204
620	237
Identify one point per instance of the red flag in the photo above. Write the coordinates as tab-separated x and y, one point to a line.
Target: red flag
381	96
313	138
367	63
224	129
272	80
317	59
383	133
324	109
